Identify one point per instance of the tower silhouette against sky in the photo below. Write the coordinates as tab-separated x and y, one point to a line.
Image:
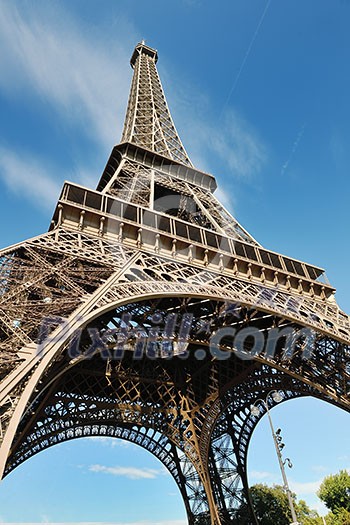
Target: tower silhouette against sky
148	313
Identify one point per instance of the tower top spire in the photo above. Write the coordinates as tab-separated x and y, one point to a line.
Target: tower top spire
148	122
141	48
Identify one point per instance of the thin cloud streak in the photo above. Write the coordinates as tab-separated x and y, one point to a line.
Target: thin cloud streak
112	442
25	177
319	468
294	148
231	150
234	144
312	488
300	488
308	487
84	79
246	55
243	151
87	81
128	472
259	475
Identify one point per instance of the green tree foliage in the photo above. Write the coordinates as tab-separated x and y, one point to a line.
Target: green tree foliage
335	492
307	516
272	508
340	517
270	505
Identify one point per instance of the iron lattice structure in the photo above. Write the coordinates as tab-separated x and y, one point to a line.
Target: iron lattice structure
148	313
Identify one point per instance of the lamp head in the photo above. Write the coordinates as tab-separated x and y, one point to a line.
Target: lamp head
277	396
254	410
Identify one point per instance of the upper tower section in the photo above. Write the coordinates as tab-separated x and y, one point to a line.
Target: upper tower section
152	198
148	122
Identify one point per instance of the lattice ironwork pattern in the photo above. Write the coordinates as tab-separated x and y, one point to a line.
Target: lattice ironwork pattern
148	121
147	313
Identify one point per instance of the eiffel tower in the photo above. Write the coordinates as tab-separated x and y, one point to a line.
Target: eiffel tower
148	313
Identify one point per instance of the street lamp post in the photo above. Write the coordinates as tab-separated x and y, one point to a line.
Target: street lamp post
277	440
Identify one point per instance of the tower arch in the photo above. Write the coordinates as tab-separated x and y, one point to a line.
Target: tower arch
148	306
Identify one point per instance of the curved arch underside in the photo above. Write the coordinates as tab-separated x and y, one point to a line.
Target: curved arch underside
148	372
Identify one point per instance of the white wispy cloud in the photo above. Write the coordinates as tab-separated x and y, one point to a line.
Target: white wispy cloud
300	488
232	142
85	79
230	149
45	519
344	458
228	140
46	53
309	487
308	491
319	468
304	488
111	442
128	472
256	475
26	177
240	146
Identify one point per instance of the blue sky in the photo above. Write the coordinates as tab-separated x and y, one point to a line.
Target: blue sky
259	91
